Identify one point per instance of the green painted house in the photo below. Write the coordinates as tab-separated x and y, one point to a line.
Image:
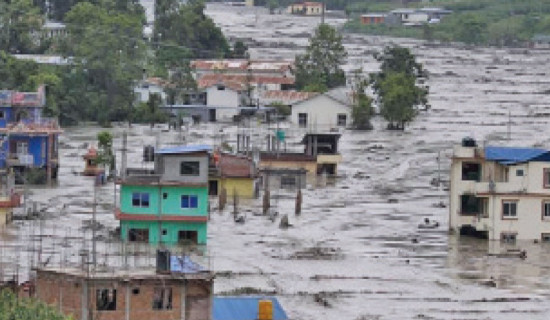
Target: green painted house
169	202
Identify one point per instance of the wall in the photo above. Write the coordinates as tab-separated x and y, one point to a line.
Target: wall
172	229
7	116
65	292
170	206
322	112
243	186
311	167
223	98
528	190
170	168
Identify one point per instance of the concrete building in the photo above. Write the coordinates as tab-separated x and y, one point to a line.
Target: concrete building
266	68
306	8
322	112
122	294
500	193
149	86
373	18
170	203
235	173
27	139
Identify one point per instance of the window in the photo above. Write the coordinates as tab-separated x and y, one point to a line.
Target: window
162	299
187	237
135	291
106	299
164	232
288	182
508	237
140	199
546	177
189	168
545	237
189	202
302	120
138	235
509	209
165	195
342	118
221	87
472	205
2	114
22	147
519	173
546	210
471	171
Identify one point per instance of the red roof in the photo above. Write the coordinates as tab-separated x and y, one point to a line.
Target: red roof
289	96
238	82
242	65
235	166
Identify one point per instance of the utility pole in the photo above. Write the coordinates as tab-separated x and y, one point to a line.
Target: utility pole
94	221
323	12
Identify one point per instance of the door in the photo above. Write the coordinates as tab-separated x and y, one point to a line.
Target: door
188	237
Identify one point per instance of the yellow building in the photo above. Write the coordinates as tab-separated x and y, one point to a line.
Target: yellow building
7	203
236	174
306	8
288	161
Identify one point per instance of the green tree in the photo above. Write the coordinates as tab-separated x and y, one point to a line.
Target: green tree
108	51
396	86
18	20
240	50
362	110
319	67
105	155
150	111
12	307
181	84
469	28
272	5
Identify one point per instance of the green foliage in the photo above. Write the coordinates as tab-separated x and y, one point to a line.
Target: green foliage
184	31
108	52
25	309
282	109
319	67
396	86
272	5
18	18
105	155
150	112
362	110
181	83
240	50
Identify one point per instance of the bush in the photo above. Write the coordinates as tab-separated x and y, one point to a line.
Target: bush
25	309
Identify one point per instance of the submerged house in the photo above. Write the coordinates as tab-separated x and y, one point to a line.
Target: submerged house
170	203
325	111
320	155
235	173
9	198
27	139
500	193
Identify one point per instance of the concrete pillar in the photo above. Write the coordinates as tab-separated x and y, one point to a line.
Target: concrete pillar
127	314
84	300
183	297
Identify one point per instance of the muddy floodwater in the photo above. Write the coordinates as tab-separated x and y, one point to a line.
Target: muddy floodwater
355	252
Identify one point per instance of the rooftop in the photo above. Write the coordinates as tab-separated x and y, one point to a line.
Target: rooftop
287	96
185	149
243	308
512	155
240	81
242	65
235	166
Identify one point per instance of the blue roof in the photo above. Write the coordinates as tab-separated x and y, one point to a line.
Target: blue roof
506	155
185	149
243	308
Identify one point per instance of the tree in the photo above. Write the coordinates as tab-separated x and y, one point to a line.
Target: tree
240	50
396	86
108	51
18	20
272	5
319	67
150	111
181	83
105	155
26	309
362	110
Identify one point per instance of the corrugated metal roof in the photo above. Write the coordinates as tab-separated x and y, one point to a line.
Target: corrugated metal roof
243	308
509	155
185	149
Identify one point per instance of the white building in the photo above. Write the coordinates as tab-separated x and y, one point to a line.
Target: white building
500	193
149	86
325	111
226	98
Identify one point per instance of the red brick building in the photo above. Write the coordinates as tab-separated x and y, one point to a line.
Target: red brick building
373	18
126	295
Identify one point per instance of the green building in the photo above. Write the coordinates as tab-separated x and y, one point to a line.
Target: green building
170	202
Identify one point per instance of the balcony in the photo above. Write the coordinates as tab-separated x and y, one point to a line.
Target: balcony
20	160
473	187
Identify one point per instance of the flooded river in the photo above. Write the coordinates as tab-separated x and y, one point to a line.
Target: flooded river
355	252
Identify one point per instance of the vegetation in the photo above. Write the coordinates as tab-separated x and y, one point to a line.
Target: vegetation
478	22
105	154
150	112
396	86
281	108
362	110
17	19
319	68
25	309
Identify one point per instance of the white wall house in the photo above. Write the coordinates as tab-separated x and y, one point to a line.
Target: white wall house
147	87
324	111
500	193
226	99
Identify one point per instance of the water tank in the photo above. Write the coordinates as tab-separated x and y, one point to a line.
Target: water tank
469	142
265	310
148	153
163	261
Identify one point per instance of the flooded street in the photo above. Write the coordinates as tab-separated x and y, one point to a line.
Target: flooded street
355	252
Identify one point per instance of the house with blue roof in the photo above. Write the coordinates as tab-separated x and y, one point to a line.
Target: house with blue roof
500	193
247	308
27	139
168	204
